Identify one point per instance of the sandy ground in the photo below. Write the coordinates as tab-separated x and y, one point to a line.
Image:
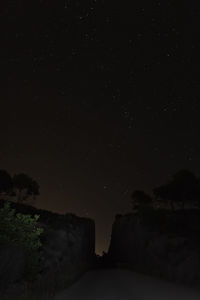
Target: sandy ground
124	285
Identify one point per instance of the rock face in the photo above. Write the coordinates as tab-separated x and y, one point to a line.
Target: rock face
12	265
160	248
68	248
73	243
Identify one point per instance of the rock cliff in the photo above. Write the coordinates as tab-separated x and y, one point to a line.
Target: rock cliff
163	244
68	248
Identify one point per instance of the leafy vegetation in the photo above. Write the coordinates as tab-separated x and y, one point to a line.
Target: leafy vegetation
19	229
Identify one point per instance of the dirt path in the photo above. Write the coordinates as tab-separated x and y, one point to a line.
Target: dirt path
124	285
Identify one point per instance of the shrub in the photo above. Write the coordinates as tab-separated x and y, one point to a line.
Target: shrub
21	230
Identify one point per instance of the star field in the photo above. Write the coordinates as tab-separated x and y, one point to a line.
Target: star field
99	98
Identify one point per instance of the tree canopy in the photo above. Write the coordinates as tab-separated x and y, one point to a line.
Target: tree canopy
25	186
20	185
6	183
182	189
140	199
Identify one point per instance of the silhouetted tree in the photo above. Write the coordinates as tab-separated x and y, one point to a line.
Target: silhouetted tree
165	194
181	189
6	183
25	187
140	200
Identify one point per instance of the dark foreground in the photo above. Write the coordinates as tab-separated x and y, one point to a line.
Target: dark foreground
116	284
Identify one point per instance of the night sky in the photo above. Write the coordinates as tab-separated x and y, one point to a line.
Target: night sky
99	98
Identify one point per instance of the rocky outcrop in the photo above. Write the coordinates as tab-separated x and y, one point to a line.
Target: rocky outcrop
164	245
12	265
68	248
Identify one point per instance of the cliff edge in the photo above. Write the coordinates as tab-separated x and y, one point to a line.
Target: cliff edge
161	243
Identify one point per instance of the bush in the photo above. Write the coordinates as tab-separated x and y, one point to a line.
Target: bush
21	230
